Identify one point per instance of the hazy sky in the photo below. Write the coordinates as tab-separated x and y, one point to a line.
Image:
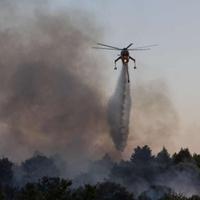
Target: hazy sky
175	27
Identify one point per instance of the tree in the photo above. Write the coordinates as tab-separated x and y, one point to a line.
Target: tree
46	189
182	156
141	154
30	191
163	160
142	164
9	192
196	158
163	156
87	192
112	191
173	196
55	188
194	197
155	192
38	167
6	173
2	195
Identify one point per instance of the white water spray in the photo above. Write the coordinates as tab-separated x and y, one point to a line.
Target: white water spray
119	108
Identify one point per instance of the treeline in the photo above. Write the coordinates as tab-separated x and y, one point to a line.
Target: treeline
179	172
144	176
60	189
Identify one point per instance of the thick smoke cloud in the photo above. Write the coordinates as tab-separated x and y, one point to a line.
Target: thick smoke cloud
119	108
47	102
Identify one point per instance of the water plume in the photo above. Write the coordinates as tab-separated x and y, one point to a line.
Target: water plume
119	108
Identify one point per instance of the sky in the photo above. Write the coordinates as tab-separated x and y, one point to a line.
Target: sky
172	66
175	27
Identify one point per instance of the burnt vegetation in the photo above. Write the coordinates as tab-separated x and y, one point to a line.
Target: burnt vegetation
144	176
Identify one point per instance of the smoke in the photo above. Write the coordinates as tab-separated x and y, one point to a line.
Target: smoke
48	99
154	121
51	90
183	179
119	111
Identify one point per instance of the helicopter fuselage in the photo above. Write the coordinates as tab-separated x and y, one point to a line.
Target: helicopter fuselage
125	56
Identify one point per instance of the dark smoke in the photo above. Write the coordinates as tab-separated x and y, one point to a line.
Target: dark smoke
119	111
48	99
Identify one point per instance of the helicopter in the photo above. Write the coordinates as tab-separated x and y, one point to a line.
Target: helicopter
124	55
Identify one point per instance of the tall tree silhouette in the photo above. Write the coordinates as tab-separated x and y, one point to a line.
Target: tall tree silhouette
141	154
6	173
182	156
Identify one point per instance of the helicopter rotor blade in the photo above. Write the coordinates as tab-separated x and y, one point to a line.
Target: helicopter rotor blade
139	49
129	45
146	46
105	45
105	48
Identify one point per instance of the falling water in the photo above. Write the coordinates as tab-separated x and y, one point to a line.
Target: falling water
119	107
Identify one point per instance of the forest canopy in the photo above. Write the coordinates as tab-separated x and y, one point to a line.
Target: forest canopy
143	176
